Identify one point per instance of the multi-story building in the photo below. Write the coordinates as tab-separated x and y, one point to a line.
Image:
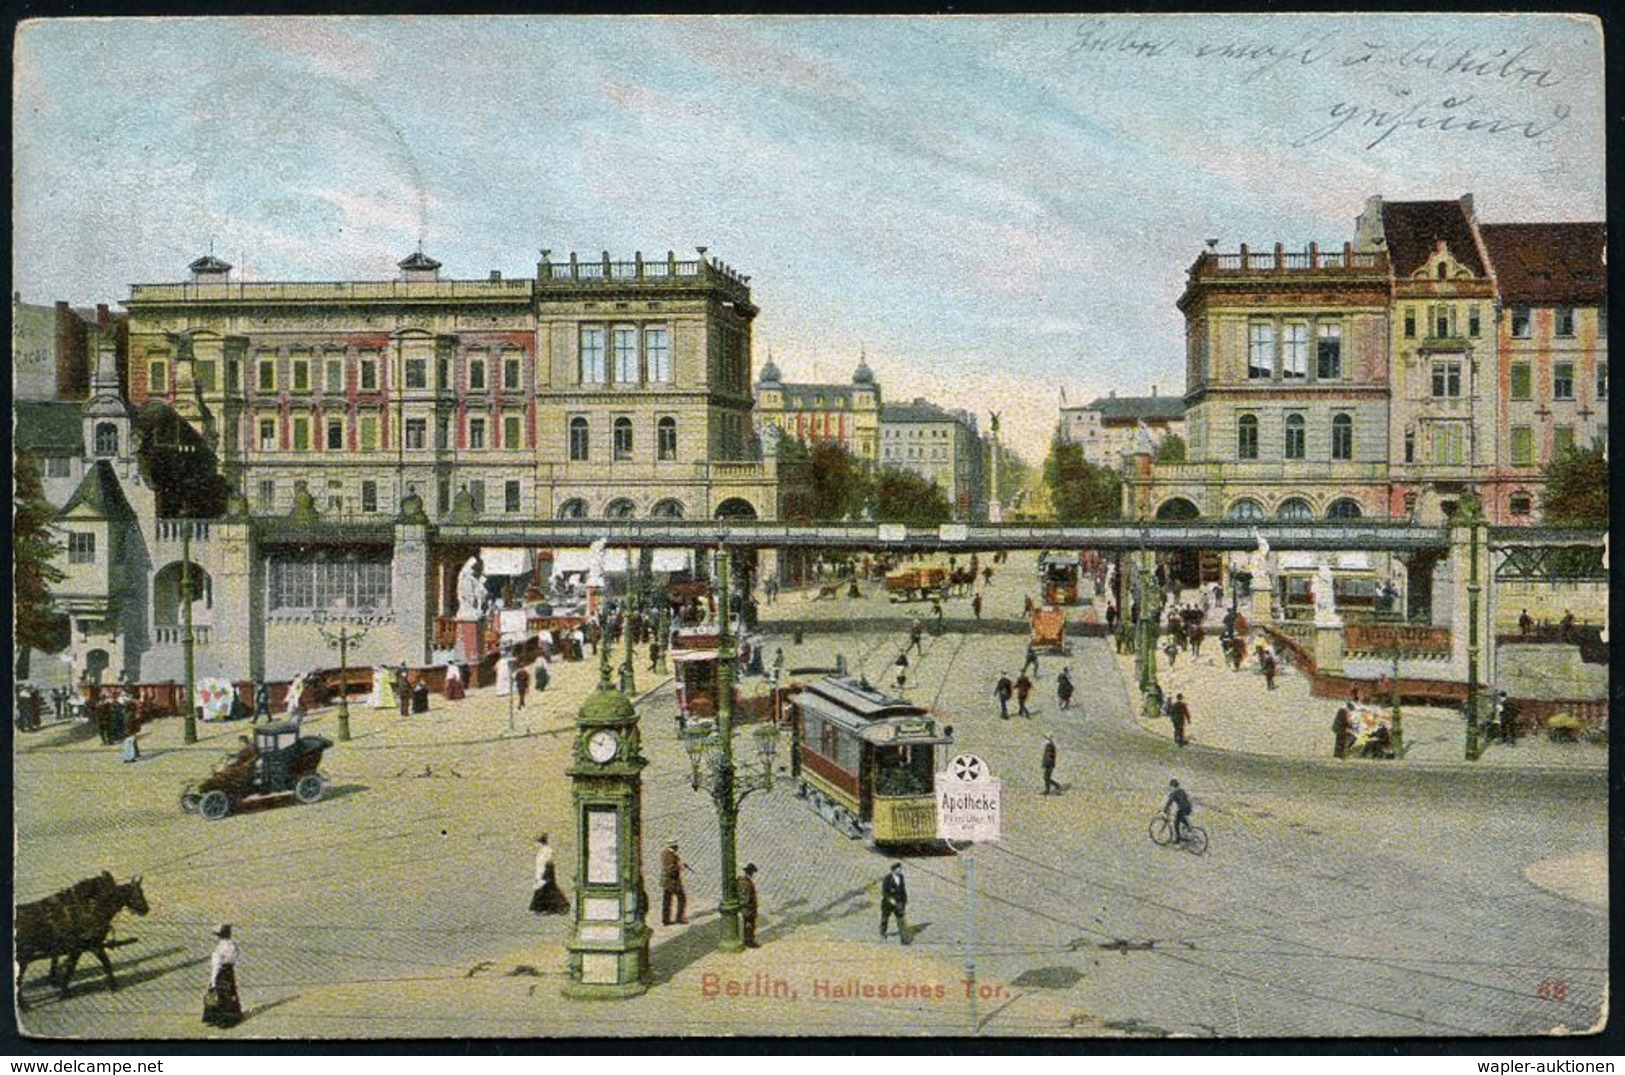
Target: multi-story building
1111	427
940	446
845	414
53	348
598	389
1286	389
1442	427
1552	334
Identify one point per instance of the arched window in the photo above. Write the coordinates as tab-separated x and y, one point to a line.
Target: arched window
578	439
1247	437
1294	507
1178	508
1246	508
106	438
1342	436
573	509
1344	508
666	439
623	438
618	509
668	509
1294	436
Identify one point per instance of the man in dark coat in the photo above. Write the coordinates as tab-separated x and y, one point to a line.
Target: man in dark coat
521	685
748	904
1024	690
894	901
1064	688
1049	766
1002	691
1341	730
262	701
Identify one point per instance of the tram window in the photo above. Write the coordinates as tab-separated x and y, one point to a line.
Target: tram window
903	771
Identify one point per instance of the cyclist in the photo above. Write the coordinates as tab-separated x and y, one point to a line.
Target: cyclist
1180	800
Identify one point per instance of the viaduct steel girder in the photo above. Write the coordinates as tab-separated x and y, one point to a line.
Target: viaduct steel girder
620	533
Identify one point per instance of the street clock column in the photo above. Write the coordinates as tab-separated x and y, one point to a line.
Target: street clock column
609	946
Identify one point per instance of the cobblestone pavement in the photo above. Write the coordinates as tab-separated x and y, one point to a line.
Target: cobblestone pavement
1353	898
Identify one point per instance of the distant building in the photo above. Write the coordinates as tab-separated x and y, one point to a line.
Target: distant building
940	446
1111	426
54	347
844	414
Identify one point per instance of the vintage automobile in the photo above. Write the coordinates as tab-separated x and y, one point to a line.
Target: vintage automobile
281	761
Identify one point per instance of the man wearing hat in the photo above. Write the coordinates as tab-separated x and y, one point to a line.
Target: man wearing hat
894	901
671	886
222	1006
1049	766
747	904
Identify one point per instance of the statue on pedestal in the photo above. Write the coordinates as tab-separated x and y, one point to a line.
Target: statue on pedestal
471	596
1325	598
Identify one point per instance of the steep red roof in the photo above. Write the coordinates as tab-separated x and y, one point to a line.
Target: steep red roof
1413	229
1549	264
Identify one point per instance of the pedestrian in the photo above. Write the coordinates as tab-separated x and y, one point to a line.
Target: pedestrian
1566	626
778	664
1342	723
1526	623
454	691
915	632
521	685
1171	648
894	901
987	576
1269	663
262	701
672	892
1003	690
748	905
1180	714
1064	689
222	1004
539	678
901	664
1196	636
1024	690
1030	661
59	702
936	615
403	690
976	606
654	656
548	897
1111	617
1049	766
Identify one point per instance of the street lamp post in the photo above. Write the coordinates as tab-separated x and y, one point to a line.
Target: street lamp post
712	758
342	639
188	642
1474	518
1393	703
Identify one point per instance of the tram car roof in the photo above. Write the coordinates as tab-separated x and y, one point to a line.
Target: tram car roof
858	707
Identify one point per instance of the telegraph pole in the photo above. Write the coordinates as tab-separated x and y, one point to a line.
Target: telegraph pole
1474	519
733	938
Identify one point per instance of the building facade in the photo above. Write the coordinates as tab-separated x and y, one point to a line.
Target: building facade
1111	427
1552	336
1286	390
844	414
940	446
599	389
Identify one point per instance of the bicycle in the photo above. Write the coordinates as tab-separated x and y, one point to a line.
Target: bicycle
1162	834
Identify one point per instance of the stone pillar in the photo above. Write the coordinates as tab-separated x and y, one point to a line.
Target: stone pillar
1263	604
236	644
1329	648
409	594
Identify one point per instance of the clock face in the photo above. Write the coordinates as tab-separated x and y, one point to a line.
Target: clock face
602	746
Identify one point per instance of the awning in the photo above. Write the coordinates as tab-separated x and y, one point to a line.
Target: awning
685	656
669	560
507	561
568	560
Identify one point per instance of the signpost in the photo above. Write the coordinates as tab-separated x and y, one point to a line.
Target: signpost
969	807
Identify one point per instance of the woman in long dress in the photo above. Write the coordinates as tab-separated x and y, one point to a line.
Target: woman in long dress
548	897
222	1005
454	683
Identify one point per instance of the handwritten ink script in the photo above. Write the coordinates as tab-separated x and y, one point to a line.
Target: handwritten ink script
1429	84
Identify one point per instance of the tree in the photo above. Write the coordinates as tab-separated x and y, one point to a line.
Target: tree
902	496
179	464
832	487
1171	450
1576	492
33	550
1080	492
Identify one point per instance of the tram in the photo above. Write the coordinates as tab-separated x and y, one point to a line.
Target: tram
1060	573
867	762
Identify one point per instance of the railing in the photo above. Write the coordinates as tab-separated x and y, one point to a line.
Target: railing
173	636
1279	260
670	270
508	290
174	529
1414	641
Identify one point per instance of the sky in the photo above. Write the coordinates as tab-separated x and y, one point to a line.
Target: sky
992	209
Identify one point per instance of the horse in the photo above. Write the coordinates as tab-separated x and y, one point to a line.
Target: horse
72	922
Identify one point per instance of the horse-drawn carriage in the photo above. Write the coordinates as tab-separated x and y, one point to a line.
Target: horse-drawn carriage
908	583
280	761
1049	630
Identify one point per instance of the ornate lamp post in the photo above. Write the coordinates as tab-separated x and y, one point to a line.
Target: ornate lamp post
188	640
342	639
712	758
